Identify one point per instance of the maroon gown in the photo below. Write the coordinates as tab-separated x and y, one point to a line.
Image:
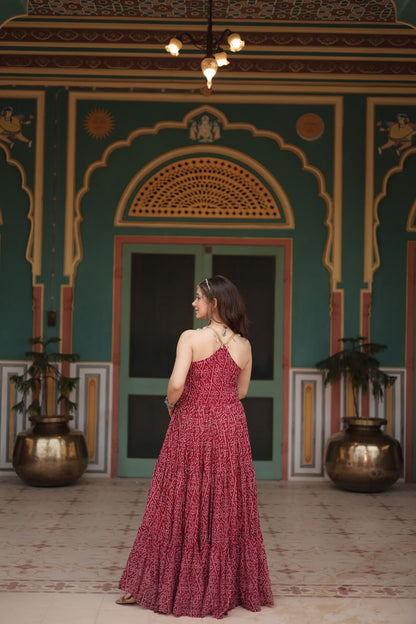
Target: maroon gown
199	550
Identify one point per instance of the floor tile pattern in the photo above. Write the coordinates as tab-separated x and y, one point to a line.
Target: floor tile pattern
334	556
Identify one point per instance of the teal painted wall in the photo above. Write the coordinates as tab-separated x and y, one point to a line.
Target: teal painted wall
354	133
388	317
16	182
53	203
15	271
94	280
93	293
311	290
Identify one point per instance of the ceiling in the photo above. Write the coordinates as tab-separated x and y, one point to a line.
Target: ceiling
304	10
121	42
328	11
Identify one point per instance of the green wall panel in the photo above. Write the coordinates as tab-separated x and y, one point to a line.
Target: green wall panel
15	270
353	210
388	318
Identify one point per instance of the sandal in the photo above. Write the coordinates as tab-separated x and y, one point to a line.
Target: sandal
127	599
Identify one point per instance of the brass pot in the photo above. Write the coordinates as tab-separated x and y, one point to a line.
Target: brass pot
362	457
50	453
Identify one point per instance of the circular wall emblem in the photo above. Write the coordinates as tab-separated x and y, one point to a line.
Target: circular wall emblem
310	127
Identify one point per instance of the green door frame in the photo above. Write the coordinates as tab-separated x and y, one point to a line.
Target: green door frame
273	388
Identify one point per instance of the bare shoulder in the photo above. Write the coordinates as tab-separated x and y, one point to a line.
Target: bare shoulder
187	335
193	342
240	349
244	343
191	337
185	339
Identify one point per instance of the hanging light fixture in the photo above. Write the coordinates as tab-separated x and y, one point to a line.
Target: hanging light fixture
215	56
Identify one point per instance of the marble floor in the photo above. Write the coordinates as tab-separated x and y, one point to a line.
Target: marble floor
334	556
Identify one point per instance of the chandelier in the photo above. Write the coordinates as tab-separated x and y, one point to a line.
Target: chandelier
215	56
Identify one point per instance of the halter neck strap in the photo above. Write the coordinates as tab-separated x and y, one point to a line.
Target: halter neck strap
223	342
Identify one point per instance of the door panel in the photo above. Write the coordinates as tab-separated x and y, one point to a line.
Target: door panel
255	276
158	286
259	413
146	426
258	273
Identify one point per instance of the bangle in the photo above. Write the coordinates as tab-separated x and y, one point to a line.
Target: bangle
168	404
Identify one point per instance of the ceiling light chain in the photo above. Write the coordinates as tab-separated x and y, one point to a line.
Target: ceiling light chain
215	56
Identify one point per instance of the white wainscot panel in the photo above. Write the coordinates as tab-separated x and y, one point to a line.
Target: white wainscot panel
10	422
309	411
93	415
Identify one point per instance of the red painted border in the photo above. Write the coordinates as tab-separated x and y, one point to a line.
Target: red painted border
67	299
287	341
365	331
37	294
410	337
119	241
336	334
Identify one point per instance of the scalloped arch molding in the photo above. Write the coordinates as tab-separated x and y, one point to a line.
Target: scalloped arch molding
271	209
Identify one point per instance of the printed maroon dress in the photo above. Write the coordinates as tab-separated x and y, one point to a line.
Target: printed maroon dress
199	550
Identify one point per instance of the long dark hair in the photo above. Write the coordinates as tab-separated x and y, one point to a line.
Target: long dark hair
231	308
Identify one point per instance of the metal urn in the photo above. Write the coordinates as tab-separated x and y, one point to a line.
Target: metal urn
362	457
50	453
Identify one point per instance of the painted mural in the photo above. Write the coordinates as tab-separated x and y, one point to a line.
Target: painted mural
400	133
12	127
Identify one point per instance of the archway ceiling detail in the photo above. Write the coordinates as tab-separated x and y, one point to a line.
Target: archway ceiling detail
304	10
314	40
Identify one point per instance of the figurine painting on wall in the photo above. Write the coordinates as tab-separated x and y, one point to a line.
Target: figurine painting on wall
11	127
399	133
205	129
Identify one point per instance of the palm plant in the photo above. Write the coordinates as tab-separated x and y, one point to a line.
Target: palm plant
43	370
356	361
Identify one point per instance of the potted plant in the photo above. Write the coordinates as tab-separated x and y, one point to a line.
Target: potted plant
362	458
49	453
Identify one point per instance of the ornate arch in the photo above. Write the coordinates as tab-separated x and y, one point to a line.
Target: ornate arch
331	258
373	262
411	220
225	187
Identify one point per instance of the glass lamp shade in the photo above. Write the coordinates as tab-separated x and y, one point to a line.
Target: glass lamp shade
235	42
174	46
221	58
209	69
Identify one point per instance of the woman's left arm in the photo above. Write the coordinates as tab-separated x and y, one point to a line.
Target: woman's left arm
245	375
180	369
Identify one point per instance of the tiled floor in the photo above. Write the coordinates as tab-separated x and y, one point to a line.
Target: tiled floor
334	556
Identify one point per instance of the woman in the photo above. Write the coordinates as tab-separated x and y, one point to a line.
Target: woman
199	550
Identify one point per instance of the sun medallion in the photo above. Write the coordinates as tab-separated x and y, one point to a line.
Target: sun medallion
99	123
